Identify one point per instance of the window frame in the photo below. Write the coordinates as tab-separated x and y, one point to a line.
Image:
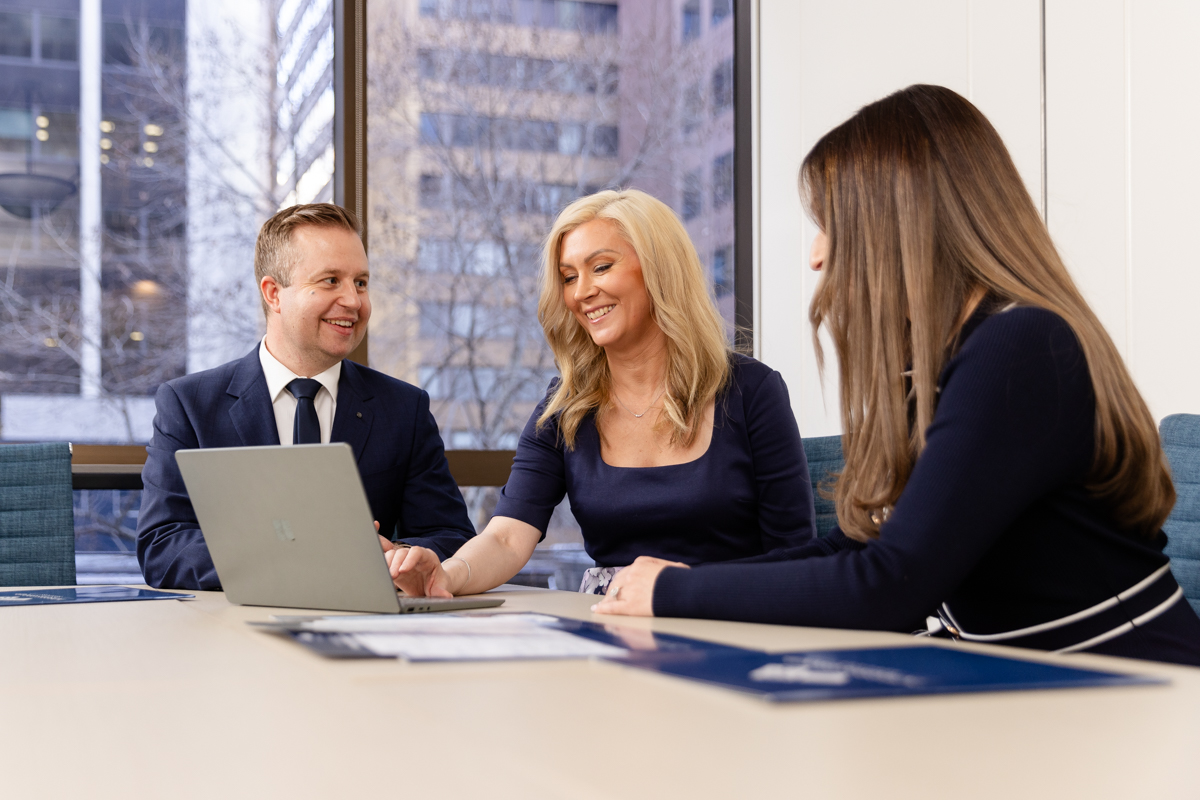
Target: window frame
350	121
744	16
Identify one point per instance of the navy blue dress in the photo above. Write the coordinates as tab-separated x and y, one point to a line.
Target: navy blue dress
996	531
747	495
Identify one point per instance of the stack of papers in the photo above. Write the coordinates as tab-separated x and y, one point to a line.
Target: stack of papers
444	637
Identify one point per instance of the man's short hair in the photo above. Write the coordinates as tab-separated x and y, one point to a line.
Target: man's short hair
273	252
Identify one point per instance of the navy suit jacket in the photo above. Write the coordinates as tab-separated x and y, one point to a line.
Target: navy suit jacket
385	421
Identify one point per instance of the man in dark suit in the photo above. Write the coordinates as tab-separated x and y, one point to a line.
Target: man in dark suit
297	387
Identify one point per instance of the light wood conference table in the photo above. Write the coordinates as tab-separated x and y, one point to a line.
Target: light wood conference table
183	699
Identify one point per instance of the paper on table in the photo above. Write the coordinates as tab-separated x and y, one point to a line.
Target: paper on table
447	637
443	647
434	623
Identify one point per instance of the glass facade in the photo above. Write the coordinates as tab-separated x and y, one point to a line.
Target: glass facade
141	146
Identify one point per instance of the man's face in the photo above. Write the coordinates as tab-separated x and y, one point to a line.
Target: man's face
322	316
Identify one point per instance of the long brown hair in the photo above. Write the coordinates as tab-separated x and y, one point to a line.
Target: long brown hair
925	213
698	354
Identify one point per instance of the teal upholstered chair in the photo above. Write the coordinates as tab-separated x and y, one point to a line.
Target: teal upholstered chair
824	454
1181	439
37	529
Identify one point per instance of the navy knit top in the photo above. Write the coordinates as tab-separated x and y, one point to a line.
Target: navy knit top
747	495
995	522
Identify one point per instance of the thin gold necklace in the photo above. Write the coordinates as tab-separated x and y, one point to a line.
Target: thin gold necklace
647	411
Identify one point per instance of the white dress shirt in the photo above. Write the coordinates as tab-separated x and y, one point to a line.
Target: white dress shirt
279	376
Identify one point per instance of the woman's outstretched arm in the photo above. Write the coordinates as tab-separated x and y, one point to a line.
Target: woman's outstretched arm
483	563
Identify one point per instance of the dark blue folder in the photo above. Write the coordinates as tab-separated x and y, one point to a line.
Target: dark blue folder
85	594
883	672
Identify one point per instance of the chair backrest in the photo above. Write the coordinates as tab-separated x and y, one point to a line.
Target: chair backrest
37	527
1181	441
824	454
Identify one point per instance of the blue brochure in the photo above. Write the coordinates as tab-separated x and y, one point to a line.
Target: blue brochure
884	672
85	594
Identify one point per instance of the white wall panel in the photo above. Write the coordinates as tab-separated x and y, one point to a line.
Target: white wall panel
1122	166
1164	75
818	63
1086	148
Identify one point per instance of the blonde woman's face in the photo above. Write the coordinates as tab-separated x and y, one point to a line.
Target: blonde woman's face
603	286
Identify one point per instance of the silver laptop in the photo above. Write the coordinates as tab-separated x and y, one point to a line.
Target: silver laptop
291	527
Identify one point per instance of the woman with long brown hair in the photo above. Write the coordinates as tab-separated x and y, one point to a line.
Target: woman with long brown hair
1003	474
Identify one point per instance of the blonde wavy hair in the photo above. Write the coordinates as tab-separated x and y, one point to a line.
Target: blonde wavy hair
925	215
698	352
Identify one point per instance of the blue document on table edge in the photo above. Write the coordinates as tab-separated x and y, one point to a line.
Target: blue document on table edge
885	672
85	594
809	675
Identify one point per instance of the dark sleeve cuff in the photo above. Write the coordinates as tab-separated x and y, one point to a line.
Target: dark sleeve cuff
676	593
430	544
530	513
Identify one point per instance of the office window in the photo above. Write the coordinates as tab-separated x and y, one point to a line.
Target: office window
588	18
722	271
59	38
722	87
693	195
693	107
722	180
128	44
16	34
480	133
721	11
594	18
533	135
691	20
517	72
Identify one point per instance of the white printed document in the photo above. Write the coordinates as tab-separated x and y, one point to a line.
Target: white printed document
448	637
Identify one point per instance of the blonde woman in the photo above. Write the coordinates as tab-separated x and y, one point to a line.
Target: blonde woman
1003	474
667	444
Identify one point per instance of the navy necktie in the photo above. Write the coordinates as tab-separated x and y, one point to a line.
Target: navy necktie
307	428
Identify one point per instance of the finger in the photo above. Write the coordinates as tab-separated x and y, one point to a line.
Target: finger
386	544
611	596
376	524
413	557
609	606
